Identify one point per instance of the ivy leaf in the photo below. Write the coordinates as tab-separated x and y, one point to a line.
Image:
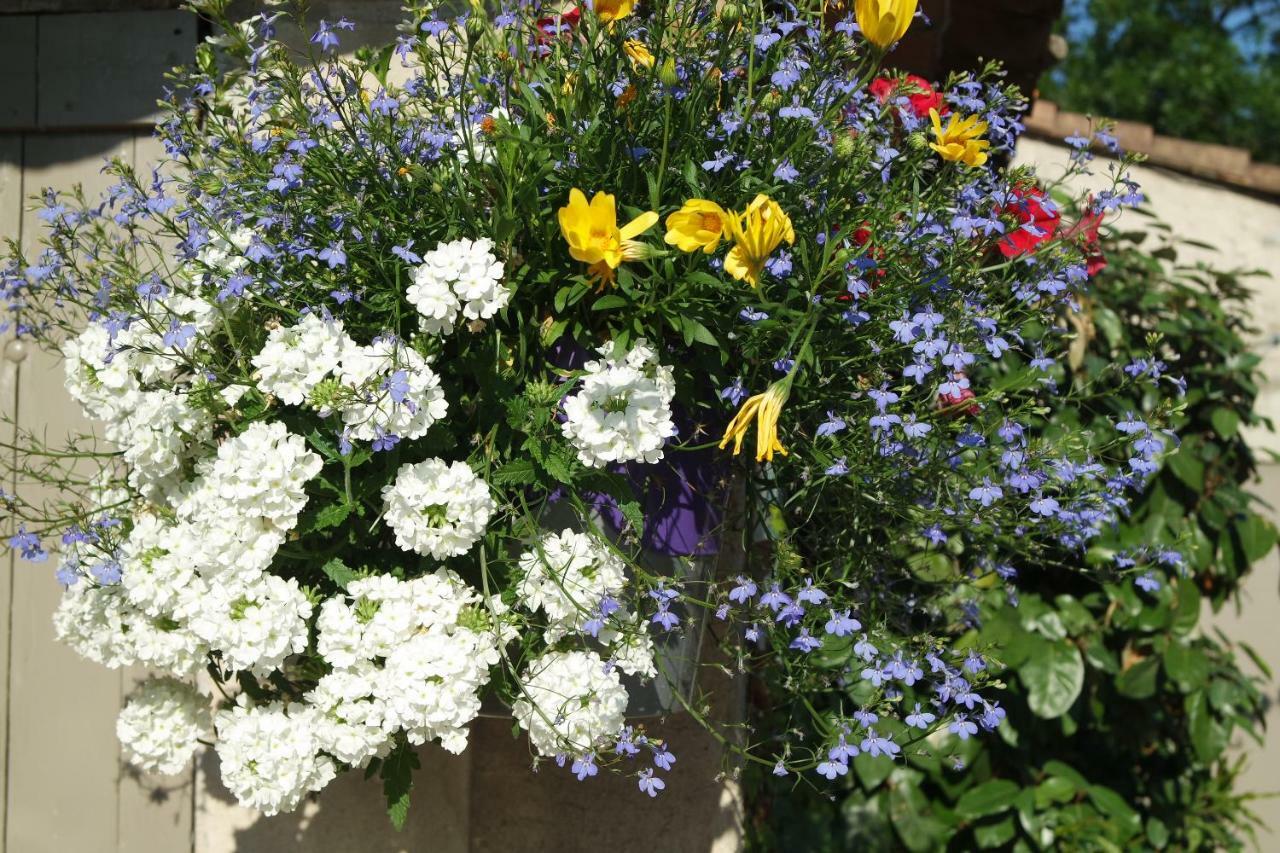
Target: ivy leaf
1054	677
339	572
397	782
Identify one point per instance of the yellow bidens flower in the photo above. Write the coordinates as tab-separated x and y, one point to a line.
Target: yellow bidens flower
764	410
699	224
593	235
883	22
613	10
755	234
638	53
960	141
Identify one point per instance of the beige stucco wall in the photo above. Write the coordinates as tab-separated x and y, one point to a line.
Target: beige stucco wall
1246	232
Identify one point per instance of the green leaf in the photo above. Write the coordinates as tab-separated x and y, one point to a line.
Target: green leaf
559	466
992	835
1226	422
989	798
1257	537
1139	680
1055	789
517	472
872	769
699	332
1187	468
1053	678
331	516
1114	806
1066	771
397	782
1187	610
611	300
1187	665
339	572
1208	738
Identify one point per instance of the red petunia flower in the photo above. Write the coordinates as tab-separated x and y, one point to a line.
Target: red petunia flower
559	25
1086	232
1029	210
919	92
953	404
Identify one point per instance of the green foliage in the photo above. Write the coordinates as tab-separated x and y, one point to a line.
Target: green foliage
1195	69
1120	703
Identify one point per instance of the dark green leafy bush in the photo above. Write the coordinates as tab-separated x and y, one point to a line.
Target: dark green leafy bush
1120	700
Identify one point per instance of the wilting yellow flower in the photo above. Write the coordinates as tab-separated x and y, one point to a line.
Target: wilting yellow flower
699	224
883	22
960	140
593	235
628	95
755	234
764	410
638	53
613	10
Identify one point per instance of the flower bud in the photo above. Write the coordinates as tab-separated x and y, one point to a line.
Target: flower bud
845	146
917	141
667	74
771	101
730	14
477	25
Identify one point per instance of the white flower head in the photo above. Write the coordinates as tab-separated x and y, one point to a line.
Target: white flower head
621	411
295	359
566	575
571	702
437	508
463	276
162	723
396	392
270	756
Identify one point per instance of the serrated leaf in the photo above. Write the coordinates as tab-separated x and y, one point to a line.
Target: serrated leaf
339	572
330	516
397	782
517	472
559	467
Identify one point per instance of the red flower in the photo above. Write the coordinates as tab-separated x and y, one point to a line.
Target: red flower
917	89
1027	208
862	238
952	403
558	25
1086	230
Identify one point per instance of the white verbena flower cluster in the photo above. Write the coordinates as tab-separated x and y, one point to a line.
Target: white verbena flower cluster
437	508
622	409
572	702
135	376
462	277
162	723
407	656
185	579
568	575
